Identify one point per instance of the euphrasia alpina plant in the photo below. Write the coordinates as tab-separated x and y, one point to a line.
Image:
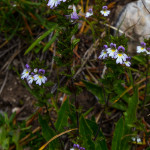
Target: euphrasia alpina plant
115	87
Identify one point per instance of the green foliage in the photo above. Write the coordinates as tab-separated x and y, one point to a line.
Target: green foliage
95	90
54	26
42	28
118	133
48	133
63	113
8	133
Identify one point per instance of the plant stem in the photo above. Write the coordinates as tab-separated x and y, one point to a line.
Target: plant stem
145	93
47	111
99	126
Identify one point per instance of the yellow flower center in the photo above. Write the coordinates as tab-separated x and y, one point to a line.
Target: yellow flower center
27	72
142	48
40	77
113	50
104	11
119	54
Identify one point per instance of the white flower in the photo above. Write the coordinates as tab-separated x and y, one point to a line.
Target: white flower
147	52
53	3
127	63
30	79
141	48
112	50
40	79
89	13
120	55
35	70
138	140
103	54
72	149
105	12
25	73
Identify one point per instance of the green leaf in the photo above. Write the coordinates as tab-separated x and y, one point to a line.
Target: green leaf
130	118
75	42
51	41
54	26
118	133
62	120
100	143
95	90
4	140
48	133
86	134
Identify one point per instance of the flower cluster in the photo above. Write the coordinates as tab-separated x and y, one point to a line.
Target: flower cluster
115	53
54	3
143	49
104	11
77	146
37	75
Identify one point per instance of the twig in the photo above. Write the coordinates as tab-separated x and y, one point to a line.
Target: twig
145	7
2	87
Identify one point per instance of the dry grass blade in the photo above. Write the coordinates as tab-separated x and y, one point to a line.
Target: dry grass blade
112	27
130	88
41	148
89	52
11	58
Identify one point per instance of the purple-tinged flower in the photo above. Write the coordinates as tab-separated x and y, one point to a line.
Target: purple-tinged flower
32	73
127	62
141	48
54	3
121	49
74	15
104	7
148	51
40	79
104	11
78	146
25	72
81	148
120	55
27	66
74	145
103	54
112	50
41	71
89	13
30	79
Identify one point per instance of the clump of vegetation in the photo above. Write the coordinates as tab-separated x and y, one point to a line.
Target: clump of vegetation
121	89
